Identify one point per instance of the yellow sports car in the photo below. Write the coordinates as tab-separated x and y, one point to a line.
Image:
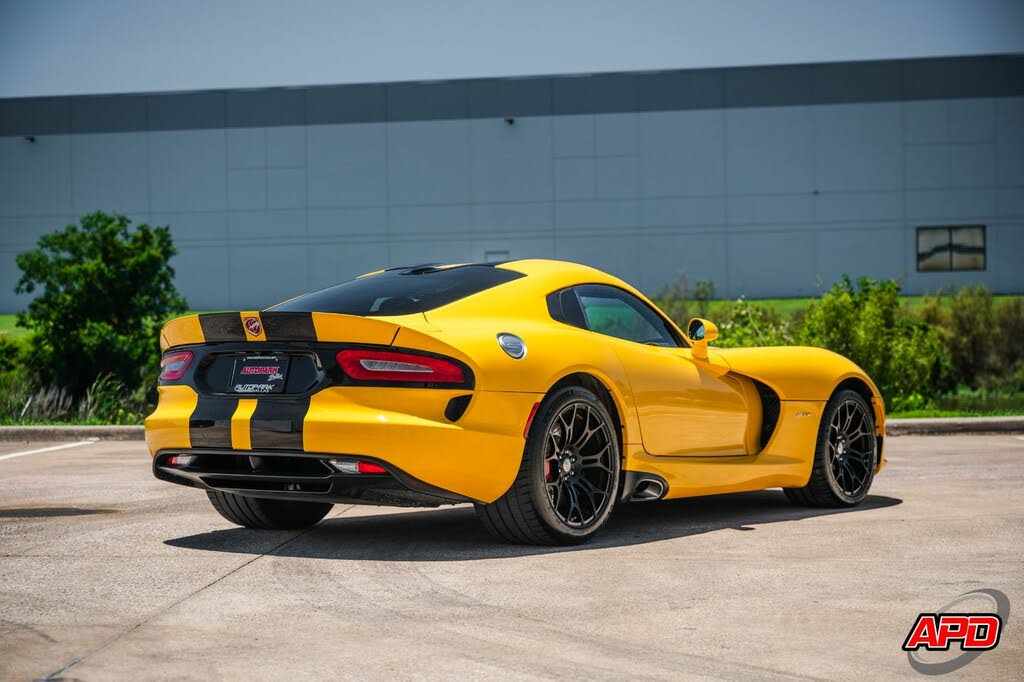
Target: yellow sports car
544	392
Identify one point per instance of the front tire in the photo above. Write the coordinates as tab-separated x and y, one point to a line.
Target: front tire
568	479
845	456
262	514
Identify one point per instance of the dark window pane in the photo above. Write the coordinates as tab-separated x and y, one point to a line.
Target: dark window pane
572	310
933	249
564	306
968	245
401	292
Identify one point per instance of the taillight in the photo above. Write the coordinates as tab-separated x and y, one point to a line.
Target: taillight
173	365
386	365
370	468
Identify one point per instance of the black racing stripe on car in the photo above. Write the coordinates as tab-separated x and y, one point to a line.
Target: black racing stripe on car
277	424
210	423
288	326
222	327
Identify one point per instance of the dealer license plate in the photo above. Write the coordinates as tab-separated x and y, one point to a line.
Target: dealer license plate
260	374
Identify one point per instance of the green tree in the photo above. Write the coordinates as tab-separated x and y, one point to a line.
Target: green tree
104	289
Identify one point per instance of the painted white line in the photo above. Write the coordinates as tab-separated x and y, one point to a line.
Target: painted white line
65	446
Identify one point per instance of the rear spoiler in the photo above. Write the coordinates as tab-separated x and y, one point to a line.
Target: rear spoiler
272	326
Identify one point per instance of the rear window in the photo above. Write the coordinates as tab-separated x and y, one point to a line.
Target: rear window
401	292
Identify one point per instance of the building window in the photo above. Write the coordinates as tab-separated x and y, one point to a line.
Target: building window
951	248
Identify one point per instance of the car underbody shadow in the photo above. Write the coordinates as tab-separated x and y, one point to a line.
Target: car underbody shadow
454	534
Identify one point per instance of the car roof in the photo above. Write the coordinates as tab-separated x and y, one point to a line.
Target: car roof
526	266
543	276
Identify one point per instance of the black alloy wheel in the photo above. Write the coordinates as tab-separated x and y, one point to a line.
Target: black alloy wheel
851	447
578	468
568	479
845	456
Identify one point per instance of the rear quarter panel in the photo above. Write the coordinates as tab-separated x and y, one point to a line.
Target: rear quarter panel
554	351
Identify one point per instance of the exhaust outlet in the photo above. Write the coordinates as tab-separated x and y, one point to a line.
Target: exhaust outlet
648	490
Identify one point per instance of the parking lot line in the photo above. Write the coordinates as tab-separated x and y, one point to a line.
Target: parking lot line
63	446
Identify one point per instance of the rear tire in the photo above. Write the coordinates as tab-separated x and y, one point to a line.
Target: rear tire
845	456
569	476
263	514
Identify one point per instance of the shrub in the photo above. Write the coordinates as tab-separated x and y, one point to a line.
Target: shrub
674	301
904	356
22	402
679	303
105	290
703	292
107	401
964	325
11	354
742	323
983	338
985	401
1009	330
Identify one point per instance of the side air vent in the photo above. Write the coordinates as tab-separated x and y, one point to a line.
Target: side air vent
769	412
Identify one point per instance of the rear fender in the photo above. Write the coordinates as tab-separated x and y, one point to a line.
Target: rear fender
553	353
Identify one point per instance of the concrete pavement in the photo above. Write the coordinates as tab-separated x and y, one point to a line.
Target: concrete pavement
108	573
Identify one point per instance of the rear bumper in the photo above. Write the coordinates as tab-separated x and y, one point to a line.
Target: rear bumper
297	476
475	457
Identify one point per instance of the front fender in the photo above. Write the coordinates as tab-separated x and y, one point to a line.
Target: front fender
796	372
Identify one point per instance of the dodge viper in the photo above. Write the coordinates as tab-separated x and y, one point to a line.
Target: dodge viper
544	393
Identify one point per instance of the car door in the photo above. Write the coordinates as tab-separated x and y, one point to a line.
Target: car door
686	407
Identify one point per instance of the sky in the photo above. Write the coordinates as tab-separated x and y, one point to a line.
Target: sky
70	47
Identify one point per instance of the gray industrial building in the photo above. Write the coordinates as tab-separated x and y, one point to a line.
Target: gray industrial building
769	180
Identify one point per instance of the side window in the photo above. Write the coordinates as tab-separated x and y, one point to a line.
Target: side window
564	306
617	313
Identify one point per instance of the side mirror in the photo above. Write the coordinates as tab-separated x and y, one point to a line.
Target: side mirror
700	332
